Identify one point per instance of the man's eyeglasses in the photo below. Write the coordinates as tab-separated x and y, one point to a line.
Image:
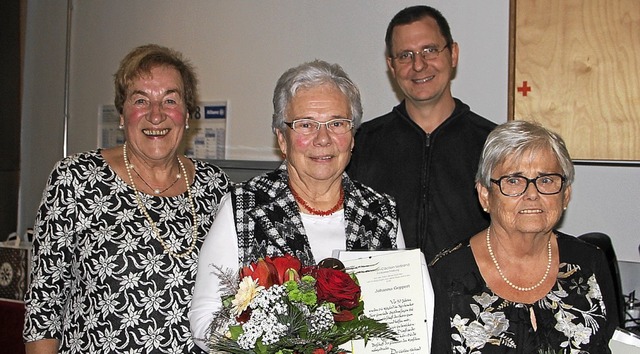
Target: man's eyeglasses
427	53
513	186
307	126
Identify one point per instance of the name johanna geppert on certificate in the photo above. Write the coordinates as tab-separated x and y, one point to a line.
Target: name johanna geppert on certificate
396	290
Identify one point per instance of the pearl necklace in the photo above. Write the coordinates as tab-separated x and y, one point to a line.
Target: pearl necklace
317	211
156	190
144	211
519	288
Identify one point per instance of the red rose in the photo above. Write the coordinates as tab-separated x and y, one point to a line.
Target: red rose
337	287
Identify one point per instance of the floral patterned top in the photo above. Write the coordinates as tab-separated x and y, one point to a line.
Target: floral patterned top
577	316
101	282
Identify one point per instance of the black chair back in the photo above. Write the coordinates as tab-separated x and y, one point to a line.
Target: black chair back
604	243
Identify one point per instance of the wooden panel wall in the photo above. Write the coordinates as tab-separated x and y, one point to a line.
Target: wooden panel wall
575	68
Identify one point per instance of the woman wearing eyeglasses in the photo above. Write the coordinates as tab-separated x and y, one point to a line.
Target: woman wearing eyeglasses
520	286
308	207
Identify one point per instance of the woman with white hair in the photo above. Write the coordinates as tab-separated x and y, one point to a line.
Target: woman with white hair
520	286
308	207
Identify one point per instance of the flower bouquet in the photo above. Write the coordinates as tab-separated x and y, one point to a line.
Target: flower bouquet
278	306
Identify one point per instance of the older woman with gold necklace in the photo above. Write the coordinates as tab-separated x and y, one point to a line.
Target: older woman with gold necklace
308	207
520	286
119	229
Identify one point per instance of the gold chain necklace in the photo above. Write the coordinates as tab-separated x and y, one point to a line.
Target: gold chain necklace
144	211
519	288
156	190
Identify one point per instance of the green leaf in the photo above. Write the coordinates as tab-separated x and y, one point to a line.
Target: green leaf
226	302
261	348
358	310
235	331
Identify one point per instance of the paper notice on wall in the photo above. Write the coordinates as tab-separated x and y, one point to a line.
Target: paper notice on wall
207	131
109	133
205	138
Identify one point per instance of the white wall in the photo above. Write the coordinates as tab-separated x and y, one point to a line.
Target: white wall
240	48
41	137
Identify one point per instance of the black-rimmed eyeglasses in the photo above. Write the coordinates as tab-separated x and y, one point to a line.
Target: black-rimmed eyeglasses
513	186
427	53
308	126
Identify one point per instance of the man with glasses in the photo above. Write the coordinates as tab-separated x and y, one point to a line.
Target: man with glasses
425	151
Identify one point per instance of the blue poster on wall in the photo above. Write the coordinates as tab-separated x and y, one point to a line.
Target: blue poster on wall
207	132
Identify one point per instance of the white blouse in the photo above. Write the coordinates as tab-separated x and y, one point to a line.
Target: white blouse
220	248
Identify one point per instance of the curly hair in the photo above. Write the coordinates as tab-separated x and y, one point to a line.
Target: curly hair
142	60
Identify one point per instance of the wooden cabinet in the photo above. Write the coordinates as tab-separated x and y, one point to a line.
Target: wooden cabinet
575	68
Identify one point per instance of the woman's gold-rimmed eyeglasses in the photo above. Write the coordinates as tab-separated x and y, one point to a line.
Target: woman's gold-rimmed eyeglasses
308	126
513	186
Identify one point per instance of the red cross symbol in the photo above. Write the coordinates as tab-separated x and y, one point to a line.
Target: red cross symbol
524	88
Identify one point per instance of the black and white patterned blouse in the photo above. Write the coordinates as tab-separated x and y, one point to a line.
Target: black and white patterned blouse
101	281
578	315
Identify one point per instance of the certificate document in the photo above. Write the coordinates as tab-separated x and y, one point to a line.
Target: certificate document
396	290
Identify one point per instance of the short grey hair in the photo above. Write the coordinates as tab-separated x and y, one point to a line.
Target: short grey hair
515	138
310	75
